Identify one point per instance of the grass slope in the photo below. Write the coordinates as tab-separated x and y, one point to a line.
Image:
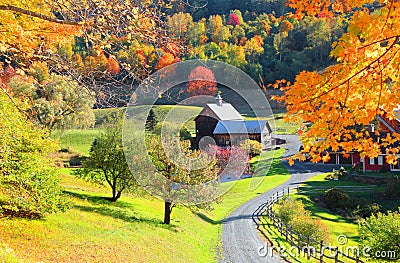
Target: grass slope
78	141
130	230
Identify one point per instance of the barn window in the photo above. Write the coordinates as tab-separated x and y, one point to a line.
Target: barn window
380	160
345	160
372	161
227	142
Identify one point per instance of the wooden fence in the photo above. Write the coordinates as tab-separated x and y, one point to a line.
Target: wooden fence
305	245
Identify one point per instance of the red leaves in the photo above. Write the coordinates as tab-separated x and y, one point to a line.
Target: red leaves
201	81
233	20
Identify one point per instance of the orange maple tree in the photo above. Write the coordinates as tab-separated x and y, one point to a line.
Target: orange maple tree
340	101
201	81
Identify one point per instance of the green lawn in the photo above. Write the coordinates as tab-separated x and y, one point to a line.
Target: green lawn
78	141
131	230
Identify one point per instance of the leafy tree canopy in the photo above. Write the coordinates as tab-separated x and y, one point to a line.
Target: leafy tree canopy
341	100
106	164
29	186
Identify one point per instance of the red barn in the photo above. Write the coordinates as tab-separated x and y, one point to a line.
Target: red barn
384	126
221	122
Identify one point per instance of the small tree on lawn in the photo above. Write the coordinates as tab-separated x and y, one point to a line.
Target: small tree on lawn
252	146
233	161
176	164
106	163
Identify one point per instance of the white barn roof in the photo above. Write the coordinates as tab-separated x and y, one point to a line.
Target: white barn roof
225	111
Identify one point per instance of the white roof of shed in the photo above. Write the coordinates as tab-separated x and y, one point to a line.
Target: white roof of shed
241	127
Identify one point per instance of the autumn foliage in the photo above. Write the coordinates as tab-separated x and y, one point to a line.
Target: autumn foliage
201	81
340	101
233	20
231	160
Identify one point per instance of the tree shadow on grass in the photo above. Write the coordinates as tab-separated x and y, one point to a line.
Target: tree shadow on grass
118	210
99	200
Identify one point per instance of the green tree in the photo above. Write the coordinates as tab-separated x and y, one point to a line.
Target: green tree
222	35
253	48
29	185
213	51
177	172
197	34
381	232
106	164
237	34
179	24
214	26
236	56
151	121
54	100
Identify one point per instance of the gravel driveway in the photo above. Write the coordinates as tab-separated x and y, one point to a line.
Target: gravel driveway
240	238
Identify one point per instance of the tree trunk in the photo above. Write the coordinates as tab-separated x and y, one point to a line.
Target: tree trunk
115	195
167	212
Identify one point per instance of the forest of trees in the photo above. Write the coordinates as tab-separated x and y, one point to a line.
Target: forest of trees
268	45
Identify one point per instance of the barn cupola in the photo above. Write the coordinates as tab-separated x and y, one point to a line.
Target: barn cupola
218	100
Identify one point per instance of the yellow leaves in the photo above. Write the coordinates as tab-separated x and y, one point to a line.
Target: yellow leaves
326	158
343	99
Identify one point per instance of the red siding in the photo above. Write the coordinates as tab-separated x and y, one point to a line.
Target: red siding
356	158
393	123
375	166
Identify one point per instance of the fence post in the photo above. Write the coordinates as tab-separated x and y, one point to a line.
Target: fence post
308	247
299	242
288	191
321	251
280	226
337	255
287	231
298	189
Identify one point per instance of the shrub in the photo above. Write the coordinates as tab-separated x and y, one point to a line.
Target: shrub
358	168
310	227
363	211
293	213
29	186
337	200
381	232
393	187
31	192
336	174
287	209
252	146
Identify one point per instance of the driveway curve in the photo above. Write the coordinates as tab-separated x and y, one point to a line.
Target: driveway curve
241	240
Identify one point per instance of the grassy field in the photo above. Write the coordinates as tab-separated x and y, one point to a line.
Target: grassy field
78	141
130	230
337	225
